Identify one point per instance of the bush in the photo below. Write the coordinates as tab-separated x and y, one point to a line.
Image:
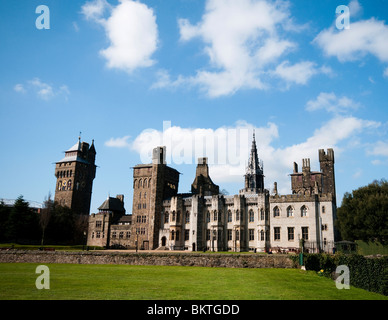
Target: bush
366	273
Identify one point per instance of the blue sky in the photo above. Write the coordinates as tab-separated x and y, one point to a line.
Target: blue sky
136	74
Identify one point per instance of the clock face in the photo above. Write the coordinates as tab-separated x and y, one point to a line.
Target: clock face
64	183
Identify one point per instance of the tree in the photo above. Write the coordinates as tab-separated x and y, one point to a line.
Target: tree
45	215
363	214
22	223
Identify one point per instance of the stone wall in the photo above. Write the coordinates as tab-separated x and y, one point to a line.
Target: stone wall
163	259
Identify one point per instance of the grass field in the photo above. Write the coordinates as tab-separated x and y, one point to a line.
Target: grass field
70	281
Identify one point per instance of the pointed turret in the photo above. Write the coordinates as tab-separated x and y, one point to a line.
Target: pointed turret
254	177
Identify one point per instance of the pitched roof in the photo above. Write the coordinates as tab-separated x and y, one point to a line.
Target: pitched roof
112	204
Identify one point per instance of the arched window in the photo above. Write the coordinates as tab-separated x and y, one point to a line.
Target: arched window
140	183
262	235
187	217
149	182
145	183
59	185
215	215
261	214
251	216
230	216
303	211
134	183
276	212
69	185
290	211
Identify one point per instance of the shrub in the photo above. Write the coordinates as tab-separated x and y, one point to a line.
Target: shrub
366	273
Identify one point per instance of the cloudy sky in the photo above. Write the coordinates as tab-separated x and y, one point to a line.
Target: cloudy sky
196	76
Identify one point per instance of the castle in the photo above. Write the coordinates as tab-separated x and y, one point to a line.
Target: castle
205	219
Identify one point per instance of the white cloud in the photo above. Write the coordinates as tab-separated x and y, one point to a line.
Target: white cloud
228	148
299	73
364	37
380	148
19	88
331	103
43	90
118	142
131	29
243	41
386	72
355	8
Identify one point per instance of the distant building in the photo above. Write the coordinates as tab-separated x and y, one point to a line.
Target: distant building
75	174
204	219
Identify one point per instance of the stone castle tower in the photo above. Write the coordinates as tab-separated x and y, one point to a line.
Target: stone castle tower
75	174
151	184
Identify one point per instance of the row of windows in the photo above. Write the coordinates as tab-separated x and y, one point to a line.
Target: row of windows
65	174
261	234
291	233
141	219
290	211
142	183
67	185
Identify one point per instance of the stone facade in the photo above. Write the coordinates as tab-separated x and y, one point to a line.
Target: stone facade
75	174
253	220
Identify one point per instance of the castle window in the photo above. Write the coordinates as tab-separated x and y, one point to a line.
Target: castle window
230	235
323	209
290	211
276	232
215	215
128	234
251	234
187	235
166	217
276	212
145	183
237	234
229	216
121	235
187	218
262	238
143	219
138	219
290	233
98	224
305	233
303	211
114	235
208	216
59	185
69	185
140	183
251	216
98	234
173	216
172	235
145	195
237	215
134	183
261	214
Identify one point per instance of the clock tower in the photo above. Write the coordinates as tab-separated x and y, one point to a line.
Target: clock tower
75	174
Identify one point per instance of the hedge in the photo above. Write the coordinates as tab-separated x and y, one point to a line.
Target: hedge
366	273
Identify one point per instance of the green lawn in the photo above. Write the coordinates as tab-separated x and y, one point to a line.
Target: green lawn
71	281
